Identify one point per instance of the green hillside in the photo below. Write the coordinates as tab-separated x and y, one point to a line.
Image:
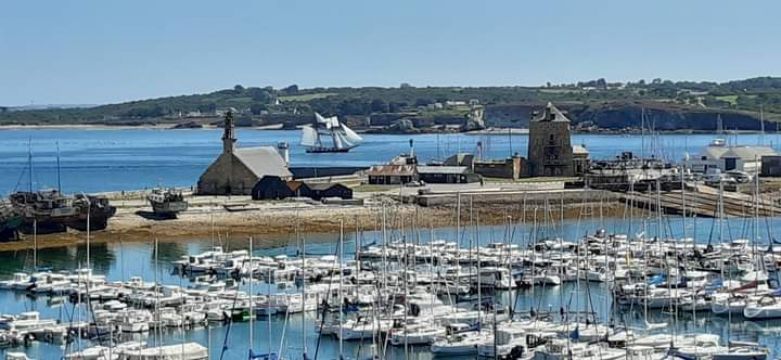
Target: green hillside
748	95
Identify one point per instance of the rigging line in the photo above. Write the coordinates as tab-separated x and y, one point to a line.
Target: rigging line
284	326
230	315
325	308
19	181
713	225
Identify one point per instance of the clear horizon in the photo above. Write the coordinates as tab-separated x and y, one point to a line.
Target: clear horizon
97	52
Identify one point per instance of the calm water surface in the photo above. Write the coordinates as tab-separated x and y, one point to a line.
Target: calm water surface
128	159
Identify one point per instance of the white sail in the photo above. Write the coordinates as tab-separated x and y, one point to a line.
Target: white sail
342	141
351	136
308	136
334	122
337	141
325	121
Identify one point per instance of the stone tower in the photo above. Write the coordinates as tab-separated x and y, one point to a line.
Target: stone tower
228	135
550	150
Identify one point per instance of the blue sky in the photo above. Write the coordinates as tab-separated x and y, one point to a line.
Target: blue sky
91	52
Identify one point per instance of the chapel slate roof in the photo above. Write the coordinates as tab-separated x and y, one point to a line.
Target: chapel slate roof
264	160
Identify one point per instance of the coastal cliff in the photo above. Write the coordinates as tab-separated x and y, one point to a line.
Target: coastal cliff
629	115
592	106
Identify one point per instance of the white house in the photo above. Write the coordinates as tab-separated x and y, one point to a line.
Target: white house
719	155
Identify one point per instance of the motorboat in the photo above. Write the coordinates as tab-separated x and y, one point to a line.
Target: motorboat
767	307
25	322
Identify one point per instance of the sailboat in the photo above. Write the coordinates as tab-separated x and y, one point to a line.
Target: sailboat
328	135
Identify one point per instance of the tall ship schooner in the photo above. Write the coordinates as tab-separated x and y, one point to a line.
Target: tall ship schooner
328	135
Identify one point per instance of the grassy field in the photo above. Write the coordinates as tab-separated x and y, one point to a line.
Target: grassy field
305	97
732	99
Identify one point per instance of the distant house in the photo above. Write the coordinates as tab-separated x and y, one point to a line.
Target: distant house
272	188
237	170
509	168
771	166
447	174
319	191
275	188
718	155
392	174
746	158
580	159
710	157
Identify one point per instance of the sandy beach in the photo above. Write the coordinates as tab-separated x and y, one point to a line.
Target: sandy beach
208	218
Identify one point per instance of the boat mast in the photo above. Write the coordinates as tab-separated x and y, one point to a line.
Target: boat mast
439	158
479	269
89	210
59	181
761	125
35	244
158	328
511	284
341	293
251	304
405	263
269	279
642	134
303	286
333	138
458	218
721	242
30	163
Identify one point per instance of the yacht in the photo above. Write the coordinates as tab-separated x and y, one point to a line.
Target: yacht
419	334
20	281
460	343
767	307
25	322
186	351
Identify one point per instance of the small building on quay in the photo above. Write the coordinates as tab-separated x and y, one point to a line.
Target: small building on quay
580	160
323	190
509	168
628	173
771	166
447	175
236	171
272	188
392	174
722	157
276	188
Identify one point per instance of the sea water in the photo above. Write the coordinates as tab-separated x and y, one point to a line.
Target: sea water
140	158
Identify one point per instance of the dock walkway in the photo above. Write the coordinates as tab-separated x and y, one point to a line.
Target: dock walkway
703	202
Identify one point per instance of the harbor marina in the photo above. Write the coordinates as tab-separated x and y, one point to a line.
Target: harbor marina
202	304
